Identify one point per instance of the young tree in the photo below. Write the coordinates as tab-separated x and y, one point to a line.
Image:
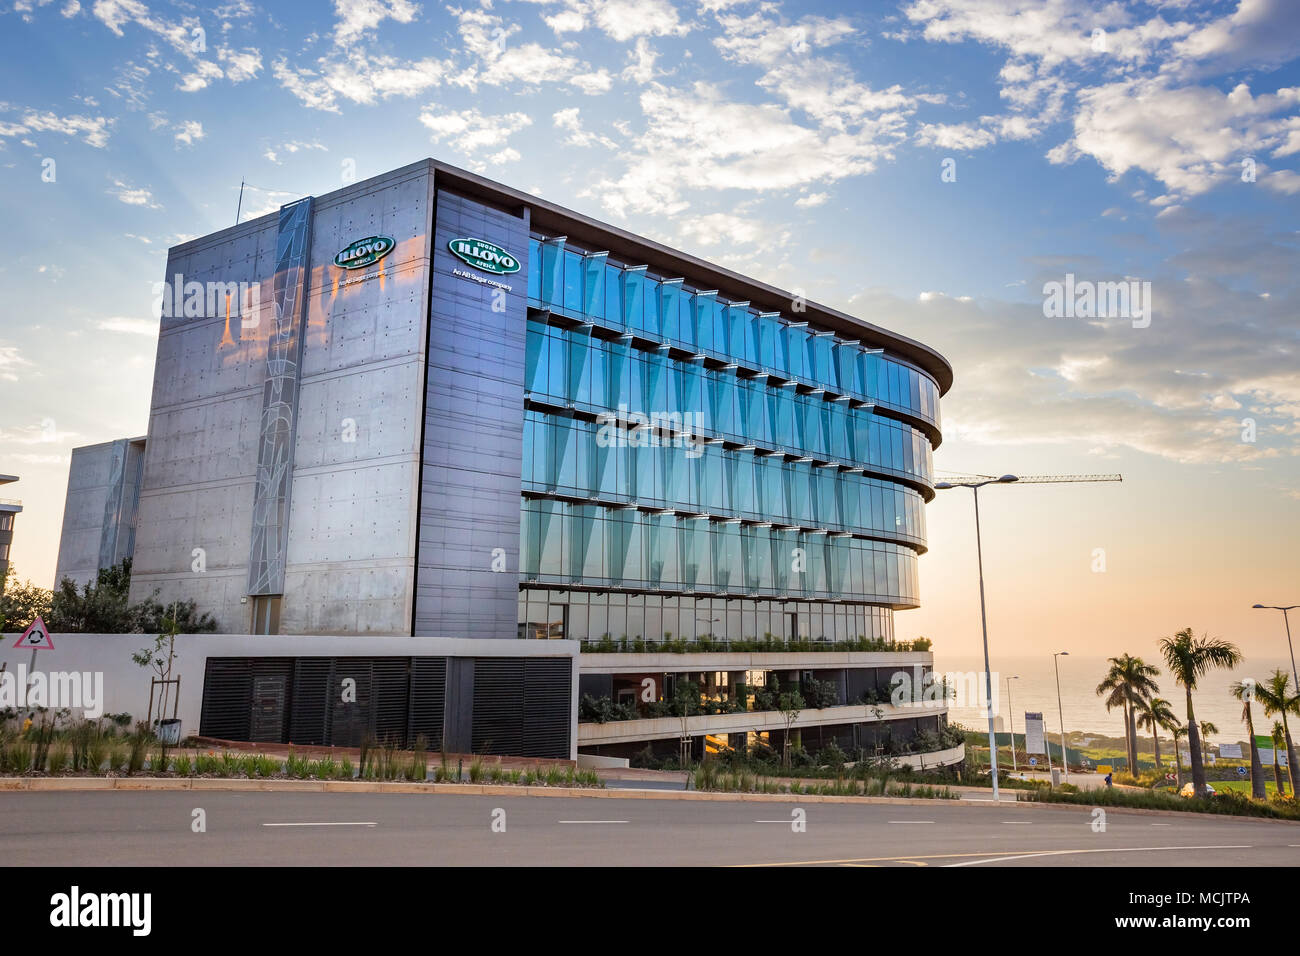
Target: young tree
1189	658
1244	691
1128	684
1153	715
1276	697
788	704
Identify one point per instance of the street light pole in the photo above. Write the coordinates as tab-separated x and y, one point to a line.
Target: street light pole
1011	717
984	624
1287	621
1065	760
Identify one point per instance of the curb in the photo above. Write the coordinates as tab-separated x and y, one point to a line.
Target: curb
13	784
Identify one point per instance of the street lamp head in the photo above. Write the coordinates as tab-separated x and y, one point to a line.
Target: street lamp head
1008	478
1260	606
1064	653
945	485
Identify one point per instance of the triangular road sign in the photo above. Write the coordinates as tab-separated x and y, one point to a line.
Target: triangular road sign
36	637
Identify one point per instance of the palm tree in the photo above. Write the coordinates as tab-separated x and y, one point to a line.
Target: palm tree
1279	735
1208	727
1244	691
1189	658
1154	714
1128	684
1273	695
1178	731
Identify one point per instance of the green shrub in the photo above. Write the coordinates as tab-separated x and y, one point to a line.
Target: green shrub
137	747
345	768
296	767
476	770
21	756
183	765
59	758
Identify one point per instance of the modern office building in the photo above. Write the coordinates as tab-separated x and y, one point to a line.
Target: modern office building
9	510
100	510
430	405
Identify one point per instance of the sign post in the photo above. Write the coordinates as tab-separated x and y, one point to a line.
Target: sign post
37	637
1036	737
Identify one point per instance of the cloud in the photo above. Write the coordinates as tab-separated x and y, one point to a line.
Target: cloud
291	147
205	71
360	78
698	139
1215	353
133	196
727	229
189	132
11	363
93	130
641	62
473	132
356	18
959	136
1189	138
593	83
116	14
569	121
499	61
127	326
242	64
1257	35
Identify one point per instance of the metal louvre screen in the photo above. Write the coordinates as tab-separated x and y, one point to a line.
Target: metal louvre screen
349	701
227	698
309	711
498	706
427	701
520	706
390	685
547	686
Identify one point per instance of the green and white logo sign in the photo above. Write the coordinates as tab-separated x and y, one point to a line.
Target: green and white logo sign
484	255
364	252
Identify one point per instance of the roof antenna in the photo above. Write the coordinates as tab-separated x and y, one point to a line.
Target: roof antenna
240	207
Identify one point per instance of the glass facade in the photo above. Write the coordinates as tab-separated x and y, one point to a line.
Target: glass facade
590	287
653	617
573	369
694	467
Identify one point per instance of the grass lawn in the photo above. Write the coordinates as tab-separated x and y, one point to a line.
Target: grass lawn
1243	786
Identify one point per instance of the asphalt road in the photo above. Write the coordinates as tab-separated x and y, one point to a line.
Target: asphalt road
106	828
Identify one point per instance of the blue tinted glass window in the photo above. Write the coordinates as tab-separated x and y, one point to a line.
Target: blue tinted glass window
650	321
633	297
594	286
572	281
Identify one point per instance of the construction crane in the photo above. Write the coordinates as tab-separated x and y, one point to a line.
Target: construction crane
1032	479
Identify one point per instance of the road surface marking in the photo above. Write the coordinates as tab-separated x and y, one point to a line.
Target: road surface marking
911	821
1121	849
356	824
1017	823
1162	824
787	822
592	821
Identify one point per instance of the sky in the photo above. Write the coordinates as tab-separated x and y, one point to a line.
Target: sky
930	166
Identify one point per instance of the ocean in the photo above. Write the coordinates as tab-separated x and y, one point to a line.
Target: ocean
1084	710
